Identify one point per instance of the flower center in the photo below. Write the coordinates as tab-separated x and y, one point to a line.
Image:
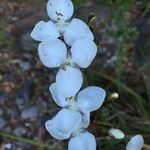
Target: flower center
61	24
78	132
69	62
72	103
71	100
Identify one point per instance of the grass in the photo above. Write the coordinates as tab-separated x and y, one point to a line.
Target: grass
29	141
139	99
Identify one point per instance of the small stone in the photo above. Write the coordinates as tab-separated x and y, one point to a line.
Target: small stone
8	77
27	42
2	110
24	65
1	9
30	113
14	18
20	131
22	146
144	25
23	95
2	123
2	98
41	103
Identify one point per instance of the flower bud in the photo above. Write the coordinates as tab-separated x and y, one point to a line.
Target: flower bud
116	133
114	96
136	143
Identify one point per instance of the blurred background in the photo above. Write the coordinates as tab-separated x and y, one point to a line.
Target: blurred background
122	65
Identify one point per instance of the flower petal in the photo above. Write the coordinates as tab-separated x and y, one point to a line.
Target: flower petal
76	30
84	141
63	124
85	119
52	53
91	98
136	143
58	98
60	9
83	52
50	127
45	30
69	81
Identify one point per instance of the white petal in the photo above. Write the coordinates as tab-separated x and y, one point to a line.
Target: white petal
60	9
45	30
69	81
50	127
76	30
58	98
63	124
91	98
83	52
136	143
85	119
84	141
116	133
52	53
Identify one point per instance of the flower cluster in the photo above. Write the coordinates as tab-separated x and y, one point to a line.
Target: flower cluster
68	44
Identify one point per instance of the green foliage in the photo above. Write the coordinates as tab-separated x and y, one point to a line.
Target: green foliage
122	3
4	41
2	38
120	28
29	141
78	2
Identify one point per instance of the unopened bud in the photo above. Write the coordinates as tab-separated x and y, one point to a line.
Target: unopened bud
114	96
116	133
136	143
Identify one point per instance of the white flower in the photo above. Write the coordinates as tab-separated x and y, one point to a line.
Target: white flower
83	141
135	143
77	29
64	124
63	102
87	100
53	53
60	11
116	133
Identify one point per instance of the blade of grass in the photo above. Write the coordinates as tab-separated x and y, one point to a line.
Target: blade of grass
119	67
140	100
28	141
